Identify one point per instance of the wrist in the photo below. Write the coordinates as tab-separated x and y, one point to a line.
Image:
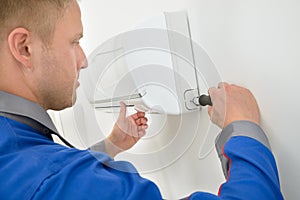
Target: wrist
110	148
240	119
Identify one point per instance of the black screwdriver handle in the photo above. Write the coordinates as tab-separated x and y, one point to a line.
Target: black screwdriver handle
205	100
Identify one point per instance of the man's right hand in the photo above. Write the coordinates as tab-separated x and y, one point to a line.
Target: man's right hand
232	103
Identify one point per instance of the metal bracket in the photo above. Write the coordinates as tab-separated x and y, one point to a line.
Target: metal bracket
189	97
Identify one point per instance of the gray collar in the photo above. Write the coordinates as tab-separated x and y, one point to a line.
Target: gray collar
19	106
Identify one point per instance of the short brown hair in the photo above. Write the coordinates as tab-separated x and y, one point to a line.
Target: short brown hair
38	16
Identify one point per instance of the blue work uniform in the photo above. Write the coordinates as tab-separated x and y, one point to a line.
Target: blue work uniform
32	166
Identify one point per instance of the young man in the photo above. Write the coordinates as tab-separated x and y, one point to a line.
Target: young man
40	62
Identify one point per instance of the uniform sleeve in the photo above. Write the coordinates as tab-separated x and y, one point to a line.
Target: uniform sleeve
94	175
248	164
99	146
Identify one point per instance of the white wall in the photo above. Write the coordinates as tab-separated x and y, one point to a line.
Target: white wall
254	44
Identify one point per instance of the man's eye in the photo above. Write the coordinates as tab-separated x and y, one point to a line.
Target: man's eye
76	42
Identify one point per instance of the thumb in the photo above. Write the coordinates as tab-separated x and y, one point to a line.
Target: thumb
209	109
122	114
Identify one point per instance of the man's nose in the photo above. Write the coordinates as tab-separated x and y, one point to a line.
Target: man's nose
83	60
84	63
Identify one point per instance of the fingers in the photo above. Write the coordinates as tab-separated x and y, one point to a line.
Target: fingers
134	125
222	85
138	131
232	103
209	110
142	125
139	118
142	130
218	97
138	115
141	121
138	125
213	91
122	114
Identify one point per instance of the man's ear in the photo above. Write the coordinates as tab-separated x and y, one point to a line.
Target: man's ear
20	47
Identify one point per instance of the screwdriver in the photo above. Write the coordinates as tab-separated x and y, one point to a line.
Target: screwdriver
202	100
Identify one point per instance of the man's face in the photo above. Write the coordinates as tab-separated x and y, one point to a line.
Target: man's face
59	64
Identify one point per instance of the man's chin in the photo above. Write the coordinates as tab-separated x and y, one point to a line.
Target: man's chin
74	98
64	105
